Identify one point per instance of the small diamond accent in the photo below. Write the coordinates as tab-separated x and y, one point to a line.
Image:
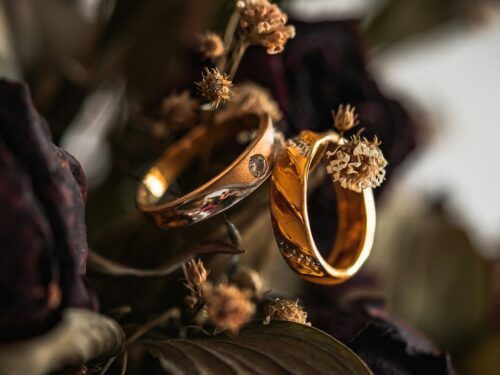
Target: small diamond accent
257	165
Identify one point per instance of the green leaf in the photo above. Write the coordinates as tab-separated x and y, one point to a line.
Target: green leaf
279	348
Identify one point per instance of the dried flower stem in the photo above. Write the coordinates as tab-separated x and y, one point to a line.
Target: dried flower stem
238	53
231	28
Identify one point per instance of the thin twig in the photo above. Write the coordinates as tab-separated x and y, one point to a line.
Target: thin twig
167	315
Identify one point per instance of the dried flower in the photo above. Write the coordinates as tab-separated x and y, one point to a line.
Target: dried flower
195	278
285	309
250	97
357	164
345	118
229	308
265	24
215	87
210	45
179	111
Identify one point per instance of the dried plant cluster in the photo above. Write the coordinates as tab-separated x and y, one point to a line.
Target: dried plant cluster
345	118
264	23
255	22
215	87
357	163
227	306
284	309
210	45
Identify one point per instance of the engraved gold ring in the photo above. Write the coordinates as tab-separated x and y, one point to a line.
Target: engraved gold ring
250	169
288	195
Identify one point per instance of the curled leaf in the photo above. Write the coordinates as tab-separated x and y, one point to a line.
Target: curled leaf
109	267
81	336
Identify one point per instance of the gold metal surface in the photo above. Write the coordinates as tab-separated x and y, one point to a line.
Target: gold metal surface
238	180
288	195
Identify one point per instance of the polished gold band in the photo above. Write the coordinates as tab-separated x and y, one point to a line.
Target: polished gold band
230	186
356	214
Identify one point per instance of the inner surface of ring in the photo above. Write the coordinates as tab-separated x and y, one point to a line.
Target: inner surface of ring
351	218
195	144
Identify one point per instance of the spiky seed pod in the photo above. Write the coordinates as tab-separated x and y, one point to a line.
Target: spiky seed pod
215	87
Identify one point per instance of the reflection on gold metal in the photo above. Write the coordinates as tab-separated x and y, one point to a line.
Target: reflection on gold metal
238	180
356	214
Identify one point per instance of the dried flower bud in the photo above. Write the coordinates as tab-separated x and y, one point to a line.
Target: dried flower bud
195	278
265	24
285	309
345	118
210	45
357	164
179	111
215	87
250	97
228	307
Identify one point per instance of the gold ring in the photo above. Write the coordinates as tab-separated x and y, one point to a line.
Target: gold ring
238	180
288	195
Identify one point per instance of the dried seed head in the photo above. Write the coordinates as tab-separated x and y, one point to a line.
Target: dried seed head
210	45
357	164
195	279
250	97
215	87
179	111
228	307
285	309
345	118
265	24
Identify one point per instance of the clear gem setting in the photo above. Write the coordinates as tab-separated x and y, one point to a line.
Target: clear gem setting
257	165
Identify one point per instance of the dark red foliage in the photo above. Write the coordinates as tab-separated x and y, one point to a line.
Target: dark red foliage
388	346
43	245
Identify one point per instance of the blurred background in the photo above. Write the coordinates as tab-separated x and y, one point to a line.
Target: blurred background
98	69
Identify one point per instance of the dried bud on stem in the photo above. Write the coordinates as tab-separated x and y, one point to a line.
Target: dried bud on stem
285	309
345	118
195	278
210	45
265	24
357	164
179	111
228	307
215	87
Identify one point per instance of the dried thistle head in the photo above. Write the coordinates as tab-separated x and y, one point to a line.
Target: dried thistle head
265	24
345	118
210	45
179	111
357	164
215	87
195	280
285	309
250	97
229	307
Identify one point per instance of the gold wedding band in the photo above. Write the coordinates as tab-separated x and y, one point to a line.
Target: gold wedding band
356	214
238	180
